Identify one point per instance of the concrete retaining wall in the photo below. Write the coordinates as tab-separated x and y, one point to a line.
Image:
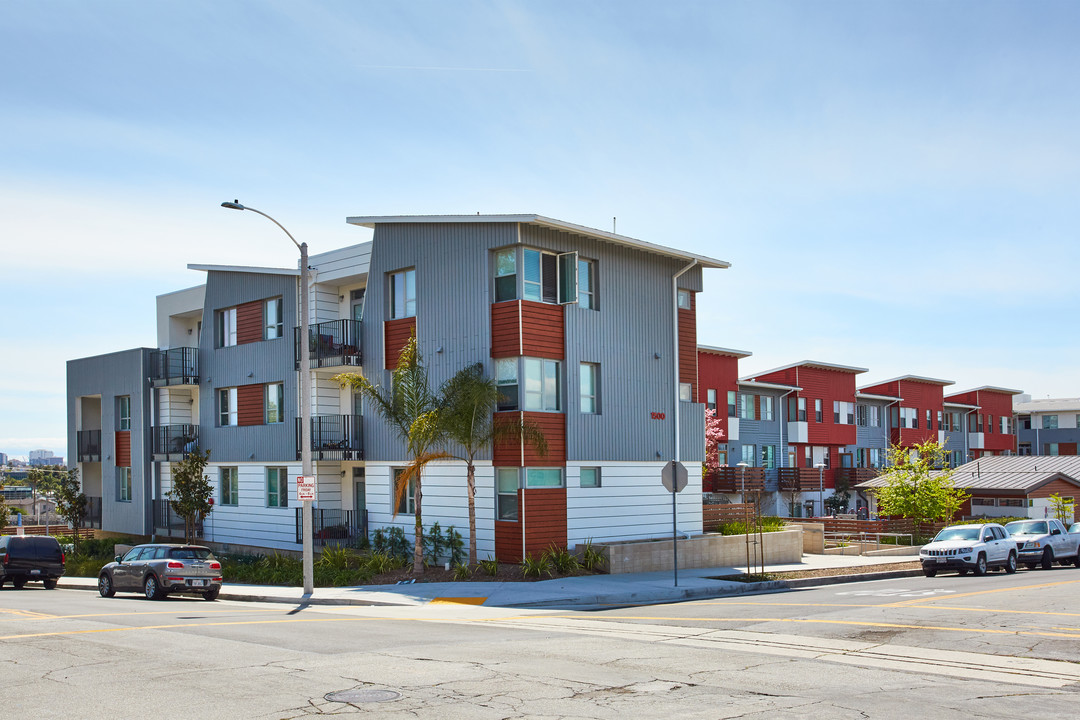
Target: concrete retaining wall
701	551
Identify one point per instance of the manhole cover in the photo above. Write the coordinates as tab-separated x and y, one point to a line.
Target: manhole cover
361	695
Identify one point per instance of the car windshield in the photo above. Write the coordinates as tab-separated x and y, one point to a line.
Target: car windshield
190	553
1027	527
958	533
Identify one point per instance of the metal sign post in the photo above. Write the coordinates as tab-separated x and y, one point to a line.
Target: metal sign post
674	479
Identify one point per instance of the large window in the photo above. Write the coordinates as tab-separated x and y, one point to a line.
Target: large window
732	397
590	388
746	407
227	407
404	497
403	293
909	417
586	271
542	384
506	377
1049	422
123	484
541	276
543	477
505	274
768	456
843	413
273	324
277	487
796	410
749	455
123	412
225	327
875	416
862	415
275	403
506	487
230	486
767	407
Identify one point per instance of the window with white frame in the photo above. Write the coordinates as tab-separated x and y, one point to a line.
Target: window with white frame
541	277
767	407
1049	422
747	409
275	403
929	420
710	399
225	327
732	399
983	502
843	413
586	270
542	384
686	301
940	421
686	392
768	456
543	477
403	294
957	458
875	416
123	412
817	411
123	484
505	274
277	487
229	485
590	388
1050	449
862	414
909	418
506	492
227	407
506	377
273	323
749	455
590	477
796	409
1006	425
404	494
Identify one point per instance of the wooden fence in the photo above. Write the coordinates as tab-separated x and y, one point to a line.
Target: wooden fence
713	516
54	530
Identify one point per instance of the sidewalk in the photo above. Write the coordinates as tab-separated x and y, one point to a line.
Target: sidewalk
578	592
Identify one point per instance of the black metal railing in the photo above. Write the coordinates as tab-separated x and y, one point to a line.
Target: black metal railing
331	344
92	517
174	442
175	366
334	527
88	445
334	437
168	523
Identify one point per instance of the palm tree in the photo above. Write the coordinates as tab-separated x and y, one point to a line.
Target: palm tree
469	399
415	413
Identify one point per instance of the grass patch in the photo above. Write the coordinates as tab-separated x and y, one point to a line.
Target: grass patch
769	523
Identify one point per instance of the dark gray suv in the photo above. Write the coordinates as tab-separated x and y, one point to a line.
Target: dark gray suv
31	557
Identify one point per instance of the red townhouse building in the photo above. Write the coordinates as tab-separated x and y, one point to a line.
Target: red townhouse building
718	386
919	415
990	428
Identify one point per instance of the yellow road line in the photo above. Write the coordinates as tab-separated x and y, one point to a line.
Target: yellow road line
458	601
41	616
919	601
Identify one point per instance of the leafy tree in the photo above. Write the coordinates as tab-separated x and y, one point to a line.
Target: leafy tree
469	398
70	501
191	491
416	414
916	488
5	514
1062	509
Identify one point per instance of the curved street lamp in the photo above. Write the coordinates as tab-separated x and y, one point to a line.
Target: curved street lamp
305	395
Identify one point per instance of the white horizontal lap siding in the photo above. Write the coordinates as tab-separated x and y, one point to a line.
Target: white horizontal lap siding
166	479
327	485
343	262
324	305
327	397
630	504
251	522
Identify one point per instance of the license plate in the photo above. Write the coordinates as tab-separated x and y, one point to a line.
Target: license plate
941	560
198	583
35	572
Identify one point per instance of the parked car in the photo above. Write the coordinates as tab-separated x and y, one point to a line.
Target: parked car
157	570
31	557
969	547
1041	542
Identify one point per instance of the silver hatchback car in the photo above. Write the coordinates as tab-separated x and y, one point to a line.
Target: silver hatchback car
159	569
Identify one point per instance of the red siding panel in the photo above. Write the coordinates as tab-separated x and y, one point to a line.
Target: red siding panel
721	373
123	448
396	334
249	322
508	453
922	397
506	329
543	513
542	331
249	404
688	369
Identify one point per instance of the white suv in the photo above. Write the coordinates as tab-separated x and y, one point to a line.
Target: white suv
969	547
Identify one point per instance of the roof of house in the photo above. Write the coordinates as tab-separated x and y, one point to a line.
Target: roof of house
370	221
750	382
910	378
724	351
812	364
989	388
952	403
1017	474
1048	405
859	394
245	269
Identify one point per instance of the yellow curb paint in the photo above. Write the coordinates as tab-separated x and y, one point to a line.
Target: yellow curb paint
458	601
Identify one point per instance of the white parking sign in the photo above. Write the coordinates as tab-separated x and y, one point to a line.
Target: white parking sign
305	488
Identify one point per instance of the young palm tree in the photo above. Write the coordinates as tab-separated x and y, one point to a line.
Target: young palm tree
469	399
415	413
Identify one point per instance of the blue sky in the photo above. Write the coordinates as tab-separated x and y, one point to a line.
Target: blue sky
895	183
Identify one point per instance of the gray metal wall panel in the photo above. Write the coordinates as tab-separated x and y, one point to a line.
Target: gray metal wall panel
761	432
874	437
111	376
259	362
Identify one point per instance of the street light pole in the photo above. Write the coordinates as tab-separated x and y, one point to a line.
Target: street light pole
305	396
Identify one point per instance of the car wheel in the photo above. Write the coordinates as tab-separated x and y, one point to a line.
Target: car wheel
151	589
980	566
211	594
1047	559
1076	560
104	585
1010	564
929	572
49	583
18	583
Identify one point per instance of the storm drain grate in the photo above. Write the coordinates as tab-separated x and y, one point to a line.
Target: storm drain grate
362	695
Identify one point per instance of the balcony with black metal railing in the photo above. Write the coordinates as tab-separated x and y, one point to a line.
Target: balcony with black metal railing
331	344
334	437
173	443
88	445
175	366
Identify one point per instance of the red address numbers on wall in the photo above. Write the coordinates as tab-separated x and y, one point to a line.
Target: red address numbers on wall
656	415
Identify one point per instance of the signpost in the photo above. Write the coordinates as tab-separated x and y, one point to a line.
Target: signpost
674	479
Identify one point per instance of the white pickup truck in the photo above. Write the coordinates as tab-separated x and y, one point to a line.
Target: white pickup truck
1041	542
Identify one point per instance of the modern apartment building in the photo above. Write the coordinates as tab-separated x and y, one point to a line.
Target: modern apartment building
591	335
1047	427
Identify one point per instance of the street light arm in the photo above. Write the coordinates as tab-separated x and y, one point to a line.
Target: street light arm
237	206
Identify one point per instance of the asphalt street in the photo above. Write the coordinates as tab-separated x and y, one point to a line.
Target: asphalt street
914	647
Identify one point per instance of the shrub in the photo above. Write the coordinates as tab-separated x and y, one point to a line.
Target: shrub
462	572
561	559
535	567
491	566
591	558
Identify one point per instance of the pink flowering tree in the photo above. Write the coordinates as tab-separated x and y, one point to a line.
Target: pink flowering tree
714	436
